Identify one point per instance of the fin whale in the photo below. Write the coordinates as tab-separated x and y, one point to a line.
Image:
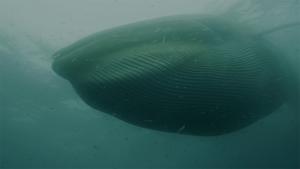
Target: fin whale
190	74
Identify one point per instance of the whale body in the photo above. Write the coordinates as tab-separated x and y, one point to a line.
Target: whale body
191	74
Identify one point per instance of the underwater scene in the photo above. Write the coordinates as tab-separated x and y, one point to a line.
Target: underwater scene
150	84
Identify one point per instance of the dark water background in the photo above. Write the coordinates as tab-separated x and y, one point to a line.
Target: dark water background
44	124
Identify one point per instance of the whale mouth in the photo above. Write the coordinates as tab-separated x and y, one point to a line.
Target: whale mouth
62	65
133	62
58	65
71	65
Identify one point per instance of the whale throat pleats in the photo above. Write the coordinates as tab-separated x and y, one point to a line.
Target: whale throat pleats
188	74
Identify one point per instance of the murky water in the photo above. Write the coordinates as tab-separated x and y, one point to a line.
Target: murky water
44	123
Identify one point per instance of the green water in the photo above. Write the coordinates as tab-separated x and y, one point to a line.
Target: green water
44	123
